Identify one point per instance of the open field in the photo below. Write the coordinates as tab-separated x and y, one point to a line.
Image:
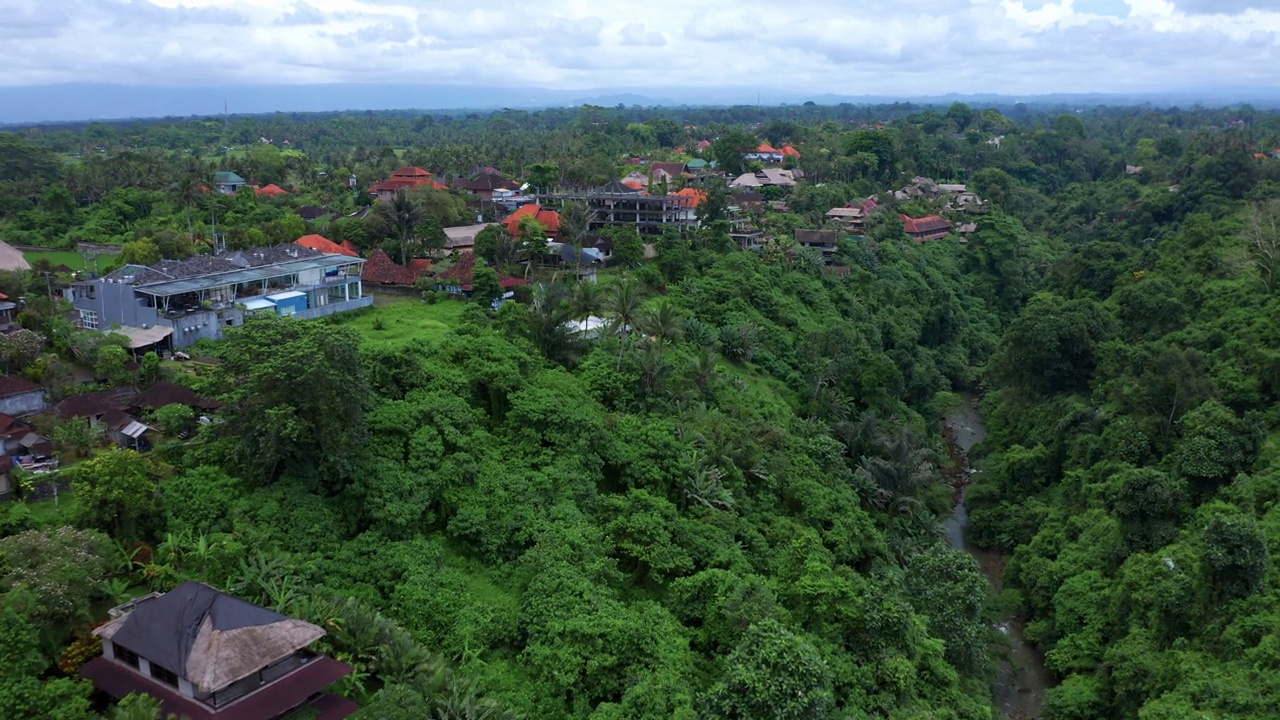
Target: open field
395	322
69	258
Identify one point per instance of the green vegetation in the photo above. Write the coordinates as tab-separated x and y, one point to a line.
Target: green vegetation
396	322
73	260
726	503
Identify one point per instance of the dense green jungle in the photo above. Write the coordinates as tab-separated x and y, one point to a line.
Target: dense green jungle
727	504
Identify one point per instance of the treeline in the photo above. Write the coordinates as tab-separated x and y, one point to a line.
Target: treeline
1131	468
726	505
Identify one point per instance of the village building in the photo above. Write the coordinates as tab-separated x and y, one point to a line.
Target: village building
175	303
311	213
206	655
765	153
271	192
925	228
457	280
463	237
766	177
20	397
485	183
823	241
227	182
11	258
405	178
549	219
380	269
323	244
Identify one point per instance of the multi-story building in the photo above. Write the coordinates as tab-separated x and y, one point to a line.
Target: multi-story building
175	303
206	655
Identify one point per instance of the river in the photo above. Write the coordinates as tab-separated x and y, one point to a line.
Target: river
1021	678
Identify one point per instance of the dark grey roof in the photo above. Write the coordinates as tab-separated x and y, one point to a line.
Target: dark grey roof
826	238
163	630
487	181
617	187
257	257
312	212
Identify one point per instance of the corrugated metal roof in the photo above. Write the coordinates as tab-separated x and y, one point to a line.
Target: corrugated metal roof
134	430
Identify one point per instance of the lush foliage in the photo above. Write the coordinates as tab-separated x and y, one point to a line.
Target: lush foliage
724	501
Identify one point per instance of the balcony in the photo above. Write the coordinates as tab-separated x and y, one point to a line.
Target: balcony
334	308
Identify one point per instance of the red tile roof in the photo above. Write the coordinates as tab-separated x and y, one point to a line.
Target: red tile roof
704	144
766	148
410	171
789	151
549	219
271	191
382	269
464	269
419	265
633	184
396	184
324	245
925	227
16	385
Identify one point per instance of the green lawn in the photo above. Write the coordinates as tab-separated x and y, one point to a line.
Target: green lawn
69	258
395	322
50	513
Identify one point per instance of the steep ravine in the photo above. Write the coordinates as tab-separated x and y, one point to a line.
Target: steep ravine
1021	679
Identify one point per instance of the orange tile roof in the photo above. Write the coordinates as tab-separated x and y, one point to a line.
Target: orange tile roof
549	219
633	184
324	245
271	191
790	151
410	171
696	196
766	148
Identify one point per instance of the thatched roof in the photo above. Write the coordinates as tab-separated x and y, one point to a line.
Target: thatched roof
12	259
208	637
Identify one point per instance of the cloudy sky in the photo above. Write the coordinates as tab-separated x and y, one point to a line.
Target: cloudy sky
821	46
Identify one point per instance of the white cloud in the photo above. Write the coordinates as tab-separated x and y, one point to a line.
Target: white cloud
869	46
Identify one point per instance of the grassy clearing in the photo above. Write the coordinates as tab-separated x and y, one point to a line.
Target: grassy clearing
70	258
50	513
395	322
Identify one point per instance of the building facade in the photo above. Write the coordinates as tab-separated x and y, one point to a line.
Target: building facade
174	304
206	655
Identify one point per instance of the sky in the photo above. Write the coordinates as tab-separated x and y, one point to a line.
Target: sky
846	47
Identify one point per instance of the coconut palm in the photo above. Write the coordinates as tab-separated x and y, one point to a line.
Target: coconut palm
663	324
404	215
586	301
894	477
624	302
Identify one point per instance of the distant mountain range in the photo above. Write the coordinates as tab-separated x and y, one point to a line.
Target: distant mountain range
80	102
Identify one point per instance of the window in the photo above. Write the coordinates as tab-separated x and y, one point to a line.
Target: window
89	319
127	656
163	675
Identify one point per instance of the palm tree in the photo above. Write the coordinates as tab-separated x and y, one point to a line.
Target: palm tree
549	307
624	303
894	477
575	222
663	324
586	301
404	215
705	484
703	365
